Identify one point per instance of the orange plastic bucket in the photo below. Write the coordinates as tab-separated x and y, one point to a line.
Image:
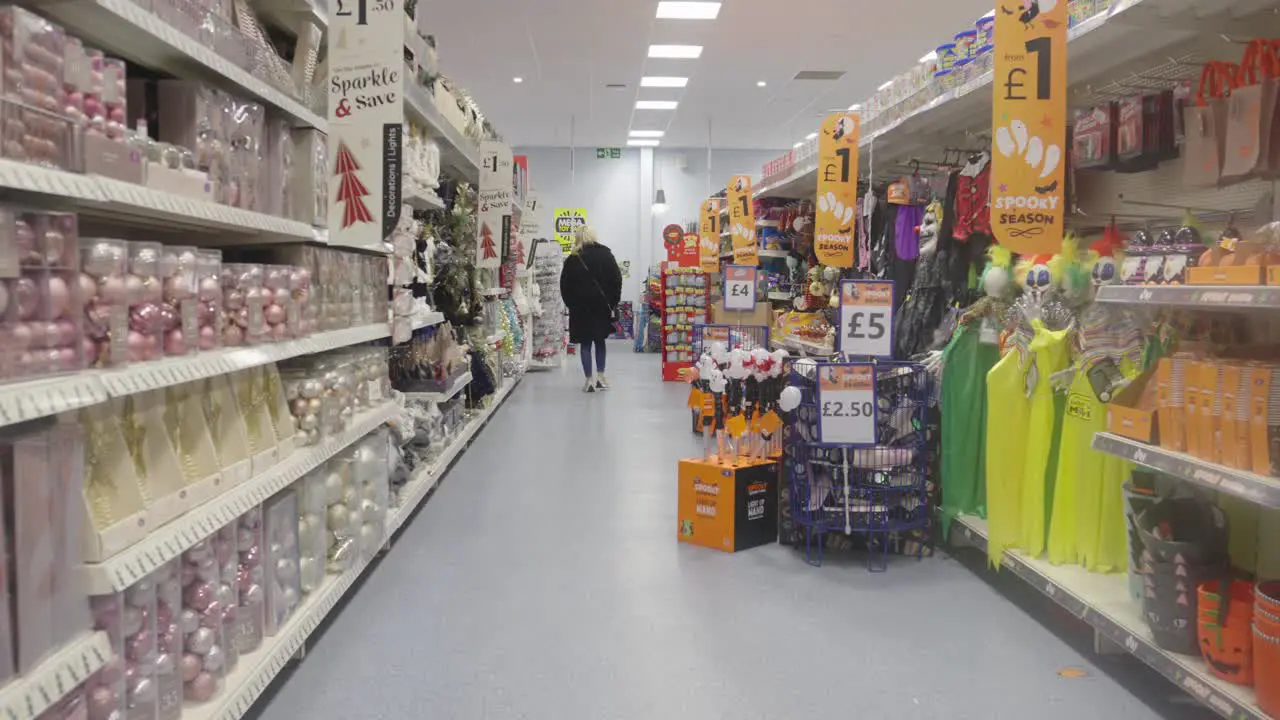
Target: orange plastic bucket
1266	670
1226	639
1268	597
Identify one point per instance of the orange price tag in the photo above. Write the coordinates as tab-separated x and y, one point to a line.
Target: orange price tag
695	398
708	405
736	426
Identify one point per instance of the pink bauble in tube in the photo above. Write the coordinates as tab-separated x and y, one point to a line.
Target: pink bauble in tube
68	359
176	289
280	332
208	338
59	297
209	288
232	335
206	313
134	288
88	287
89	349
198	595
169	317
234	299
113	290
190	666
35	331
140	645
112	672
202	688
102	703
274	314
145	318
20	336
175	343
66	332
212	616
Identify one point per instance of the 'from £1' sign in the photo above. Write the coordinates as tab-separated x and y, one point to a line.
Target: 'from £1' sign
837	189
742	221
366	120
709	236
1028	125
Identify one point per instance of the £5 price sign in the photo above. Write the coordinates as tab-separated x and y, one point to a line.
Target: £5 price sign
866	318
847	403
740	288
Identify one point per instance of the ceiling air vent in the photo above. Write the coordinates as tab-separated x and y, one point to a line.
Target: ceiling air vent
615	86
819	75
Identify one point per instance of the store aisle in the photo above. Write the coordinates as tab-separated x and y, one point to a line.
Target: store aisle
544	581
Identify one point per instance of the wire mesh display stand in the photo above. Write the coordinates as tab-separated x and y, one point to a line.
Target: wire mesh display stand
747	337
877	491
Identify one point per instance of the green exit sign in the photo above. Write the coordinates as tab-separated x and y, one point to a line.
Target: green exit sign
608	153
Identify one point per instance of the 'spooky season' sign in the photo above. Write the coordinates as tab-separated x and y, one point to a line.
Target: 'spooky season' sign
366	116
837	189
1029	125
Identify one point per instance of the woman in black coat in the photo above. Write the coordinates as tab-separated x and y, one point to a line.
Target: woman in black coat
591	286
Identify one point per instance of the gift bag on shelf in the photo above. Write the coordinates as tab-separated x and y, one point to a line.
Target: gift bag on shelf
1250	112
1205	123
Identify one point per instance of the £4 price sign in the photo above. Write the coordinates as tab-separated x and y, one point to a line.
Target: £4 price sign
847	401
739	288
866	318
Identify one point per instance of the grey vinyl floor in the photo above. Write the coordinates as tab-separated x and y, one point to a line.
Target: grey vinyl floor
543	581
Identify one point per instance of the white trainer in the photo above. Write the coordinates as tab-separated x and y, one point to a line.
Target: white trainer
589	385
601	383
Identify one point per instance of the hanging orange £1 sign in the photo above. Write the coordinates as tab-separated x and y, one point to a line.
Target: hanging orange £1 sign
709	236
837	189
1029	125
742	221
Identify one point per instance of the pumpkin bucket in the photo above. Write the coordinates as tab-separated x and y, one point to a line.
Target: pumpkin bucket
1268	597
1225	630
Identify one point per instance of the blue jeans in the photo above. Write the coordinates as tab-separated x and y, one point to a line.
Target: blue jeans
585	351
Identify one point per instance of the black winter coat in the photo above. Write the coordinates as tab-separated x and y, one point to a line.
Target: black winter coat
591	286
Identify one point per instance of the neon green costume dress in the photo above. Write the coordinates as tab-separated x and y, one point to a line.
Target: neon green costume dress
1008	410
1050	349
965	364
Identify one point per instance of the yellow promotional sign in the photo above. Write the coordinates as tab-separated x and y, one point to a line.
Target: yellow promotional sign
837	189
567	221
742	221
709	236
1029	126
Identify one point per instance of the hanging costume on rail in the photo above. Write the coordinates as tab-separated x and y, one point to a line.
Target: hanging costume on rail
924	304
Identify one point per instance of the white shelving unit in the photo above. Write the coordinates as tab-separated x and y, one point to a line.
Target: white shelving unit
457	151
20	402
435	317
170	540
1103	602
258	669
30	695
421	485
448	393
126	30
98	196
1205	297
422	200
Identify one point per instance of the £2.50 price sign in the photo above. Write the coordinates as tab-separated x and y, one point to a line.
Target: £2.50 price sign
866	318
847	403
739	288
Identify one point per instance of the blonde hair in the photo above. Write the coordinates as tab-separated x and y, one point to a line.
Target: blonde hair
583	236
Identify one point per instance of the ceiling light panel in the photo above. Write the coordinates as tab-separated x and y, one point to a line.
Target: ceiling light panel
663	82
676	52
656	104
647	133
670	10
633	142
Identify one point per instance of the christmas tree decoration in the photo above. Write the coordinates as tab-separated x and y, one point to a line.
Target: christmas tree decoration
350	190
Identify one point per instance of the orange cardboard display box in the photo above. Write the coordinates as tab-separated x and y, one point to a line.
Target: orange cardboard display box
728	508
